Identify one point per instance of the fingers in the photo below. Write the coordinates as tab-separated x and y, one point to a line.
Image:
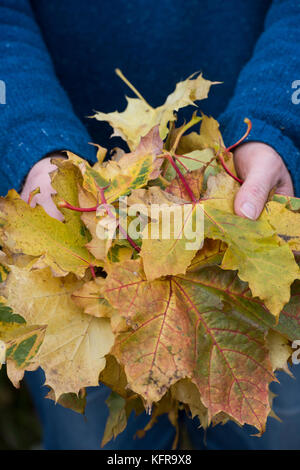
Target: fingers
285	186
252	196
39	177
262	169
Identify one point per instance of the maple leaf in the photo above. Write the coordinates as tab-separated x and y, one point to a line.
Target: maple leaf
139	117
186	392
73	350
133	170
267	266
179	327
32	231
208	137
117	420
121	402
168	253
219	217
167	234
119	413
285	222
70	400
164	251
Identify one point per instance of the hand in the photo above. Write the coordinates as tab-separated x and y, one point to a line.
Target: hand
261	168
39	177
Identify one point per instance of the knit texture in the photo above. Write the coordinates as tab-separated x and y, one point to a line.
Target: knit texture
58	60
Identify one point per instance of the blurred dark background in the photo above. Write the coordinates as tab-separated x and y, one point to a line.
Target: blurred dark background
19	425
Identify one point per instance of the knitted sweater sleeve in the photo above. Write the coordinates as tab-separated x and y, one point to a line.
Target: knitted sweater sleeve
36	116
268	89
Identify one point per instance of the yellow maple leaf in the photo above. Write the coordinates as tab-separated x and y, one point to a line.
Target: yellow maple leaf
254	250
74	348
139	117
33	232
208	137
285	222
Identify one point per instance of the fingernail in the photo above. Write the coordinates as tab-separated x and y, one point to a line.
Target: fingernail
249	210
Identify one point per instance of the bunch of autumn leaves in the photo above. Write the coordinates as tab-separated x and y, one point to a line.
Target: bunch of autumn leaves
164	327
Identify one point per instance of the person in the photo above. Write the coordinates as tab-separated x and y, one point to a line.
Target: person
57	64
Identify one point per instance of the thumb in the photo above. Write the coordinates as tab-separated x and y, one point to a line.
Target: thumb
253	194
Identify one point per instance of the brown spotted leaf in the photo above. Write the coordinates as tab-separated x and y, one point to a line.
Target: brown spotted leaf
182	327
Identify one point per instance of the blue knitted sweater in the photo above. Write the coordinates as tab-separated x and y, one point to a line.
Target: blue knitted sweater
57	61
